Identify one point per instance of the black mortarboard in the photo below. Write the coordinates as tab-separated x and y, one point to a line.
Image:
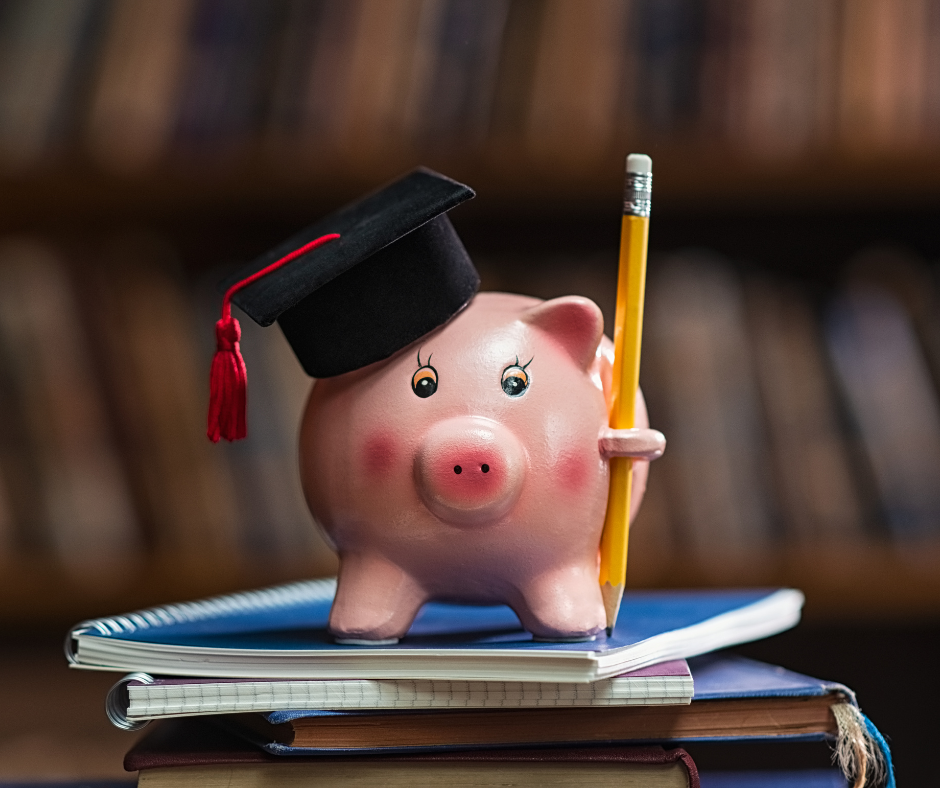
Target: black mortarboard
396	272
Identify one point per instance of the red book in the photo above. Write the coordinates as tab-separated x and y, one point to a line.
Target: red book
179	753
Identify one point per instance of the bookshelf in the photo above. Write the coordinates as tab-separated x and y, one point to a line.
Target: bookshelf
210	134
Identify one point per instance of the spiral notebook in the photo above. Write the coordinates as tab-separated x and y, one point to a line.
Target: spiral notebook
280	632
139	697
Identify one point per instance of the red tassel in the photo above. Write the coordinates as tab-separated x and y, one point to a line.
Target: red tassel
228	384
228	380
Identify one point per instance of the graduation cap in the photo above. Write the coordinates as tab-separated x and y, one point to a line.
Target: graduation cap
352	289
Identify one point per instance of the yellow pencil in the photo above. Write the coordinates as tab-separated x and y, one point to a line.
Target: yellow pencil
628	330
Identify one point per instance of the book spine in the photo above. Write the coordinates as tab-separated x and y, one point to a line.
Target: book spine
812	471
573	97
133	103
712	412
86	511
887	385
40	43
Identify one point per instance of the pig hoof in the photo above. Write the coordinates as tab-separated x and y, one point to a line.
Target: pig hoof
366	642
572	639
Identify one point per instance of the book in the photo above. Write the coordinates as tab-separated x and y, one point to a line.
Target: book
790	76
82	511
133	102
815	487
886	381
515	74
41	48
718	469
735	698
139	309
189	752
138	697
670	40
228	66
371	111
454	71
883	74
280	632
796	778
574	99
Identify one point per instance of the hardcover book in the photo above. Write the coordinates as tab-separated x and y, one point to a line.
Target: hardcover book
734	699
182	753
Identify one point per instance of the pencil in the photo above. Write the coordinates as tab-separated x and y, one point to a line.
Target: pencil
628	329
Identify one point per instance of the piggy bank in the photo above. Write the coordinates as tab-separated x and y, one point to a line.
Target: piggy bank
472	466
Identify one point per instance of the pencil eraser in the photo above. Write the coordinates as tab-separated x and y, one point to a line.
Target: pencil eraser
639	164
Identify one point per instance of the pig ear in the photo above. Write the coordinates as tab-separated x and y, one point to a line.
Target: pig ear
573	322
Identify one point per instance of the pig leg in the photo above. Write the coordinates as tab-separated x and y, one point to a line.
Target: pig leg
376	601
562	604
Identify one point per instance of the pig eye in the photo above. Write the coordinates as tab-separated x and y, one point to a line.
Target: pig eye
515	379
424	381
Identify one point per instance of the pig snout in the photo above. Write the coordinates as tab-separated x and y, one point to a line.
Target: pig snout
469	470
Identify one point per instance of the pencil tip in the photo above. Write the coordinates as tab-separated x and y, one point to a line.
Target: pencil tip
610	631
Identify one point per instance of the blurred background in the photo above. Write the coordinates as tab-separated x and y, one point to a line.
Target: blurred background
792	335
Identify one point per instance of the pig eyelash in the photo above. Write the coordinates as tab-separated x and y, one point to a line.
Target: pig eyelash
426	363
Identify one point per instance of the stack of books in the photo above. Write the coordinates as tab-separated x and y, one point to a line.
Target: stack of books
252	690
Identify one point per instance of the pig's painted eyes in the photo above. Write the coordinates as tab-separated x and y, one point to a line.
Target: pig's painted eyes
424	381
515	379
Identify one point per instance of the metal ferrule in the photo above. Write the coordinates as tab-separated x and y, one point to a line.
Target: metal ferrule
636	194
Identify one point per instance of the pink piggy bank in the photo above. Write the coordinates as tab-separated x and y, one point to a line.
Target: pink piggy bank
472	467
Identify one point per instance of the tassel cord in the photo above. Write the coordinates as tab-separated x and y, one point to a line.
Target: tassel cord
228	377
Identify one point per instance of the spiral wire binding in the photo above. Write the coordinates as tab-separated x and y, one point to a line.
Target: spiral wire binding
117	702
274	597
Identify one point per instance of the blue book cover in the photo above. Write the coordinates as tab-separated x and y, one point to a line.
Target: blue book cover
798	778
281	633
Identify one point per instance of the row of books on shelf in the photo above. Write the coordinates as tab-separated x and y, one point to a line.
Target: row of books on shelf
130	82
795	418
251	689
103	453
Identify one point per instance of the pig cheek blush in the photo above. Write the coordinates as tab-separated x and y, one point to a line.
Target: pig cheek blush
379	455
573	472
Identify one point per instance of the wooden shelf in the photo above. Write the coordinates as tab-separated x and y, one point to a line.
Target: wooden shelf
261	183
870	583
841	582
40	592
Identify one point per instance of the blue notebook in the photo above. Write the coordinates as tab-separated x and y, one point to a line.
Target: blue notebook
281	633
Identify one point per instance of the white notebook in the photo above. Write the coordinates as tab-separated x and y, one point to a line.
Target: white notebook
139	697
